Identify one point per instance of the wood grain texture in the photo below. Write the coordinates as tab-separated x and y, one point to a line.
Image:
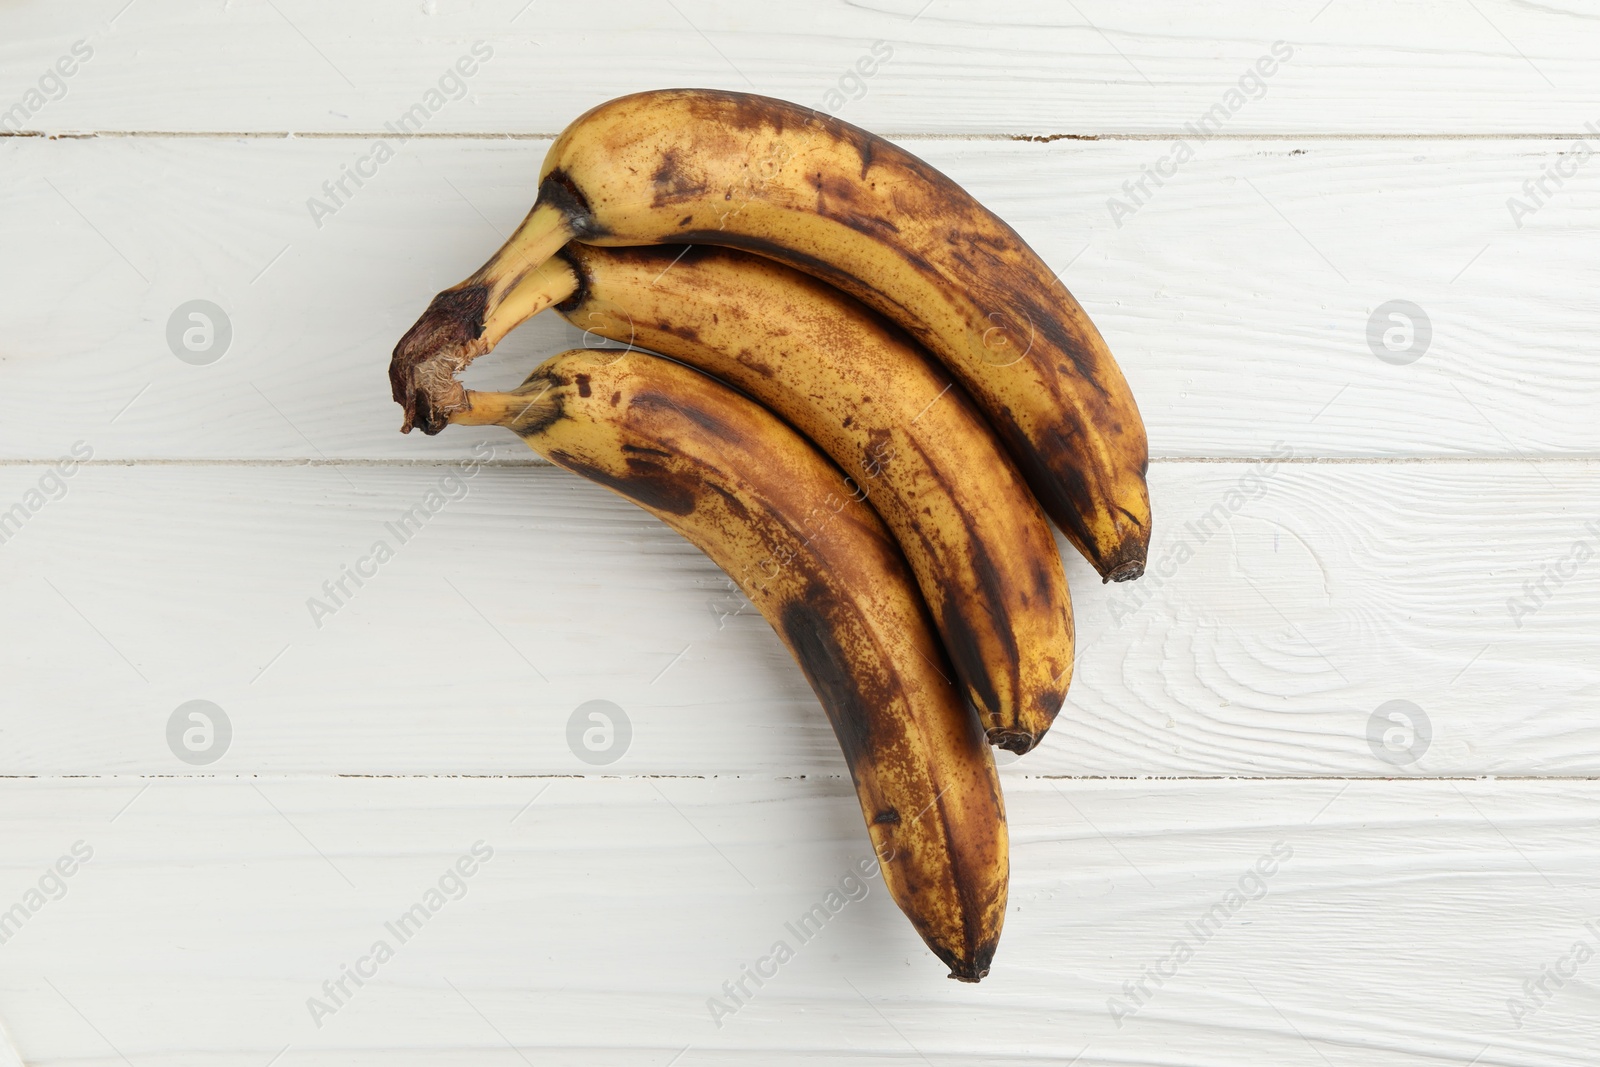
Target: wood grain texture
1285	605
1393	925
1035	68
1260	266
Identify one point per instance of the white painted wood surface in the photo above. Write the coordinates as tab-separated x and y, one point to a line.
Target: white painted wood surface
964	66
611	910
1393	557
1283	626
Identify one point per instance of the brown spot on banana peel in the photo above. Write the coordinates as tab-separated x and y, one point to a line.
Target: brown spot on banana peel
688	333
707	420
846	693
836	200
734	505
865	151
644	450
674	183
879	452
648	482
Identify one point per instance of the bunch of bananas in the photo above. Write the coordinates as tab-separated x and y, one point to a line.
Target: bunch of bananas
873	394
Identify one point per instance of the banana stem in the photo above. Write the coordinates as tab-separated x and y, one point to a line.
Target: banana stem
548	284
453	331
488	409
524	411
540	236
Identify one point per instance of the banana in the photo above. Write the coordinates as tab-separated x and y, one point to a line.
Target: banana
692	166
819	565
862	390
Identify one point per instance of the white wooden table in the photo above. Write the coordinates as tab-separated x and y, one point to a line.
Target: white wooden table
1408	520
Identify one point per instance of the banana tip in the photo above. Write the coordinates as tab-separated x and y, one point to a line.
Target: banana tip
1016	741
1126	572
972	964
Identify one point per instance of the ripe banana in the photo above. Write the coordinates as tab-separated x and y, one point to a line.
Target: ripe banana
862	390
772	512
692	166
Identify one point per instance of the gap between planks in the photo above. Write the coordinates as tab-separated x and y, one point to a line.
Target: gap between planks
1041	138
1352	779
1576	458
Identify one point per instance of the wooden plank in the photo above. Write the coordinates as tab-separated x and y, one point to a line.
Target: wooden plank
1036	68
1261	266
1286	606
1395	924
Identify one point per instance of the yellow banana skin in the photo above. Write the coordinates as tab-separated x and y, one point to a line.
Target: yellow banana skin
691	166
862	391
820	566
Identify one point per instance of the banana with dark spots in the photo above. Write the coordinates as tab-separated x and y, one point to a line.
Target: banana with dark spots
698	166
774	513
864	392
